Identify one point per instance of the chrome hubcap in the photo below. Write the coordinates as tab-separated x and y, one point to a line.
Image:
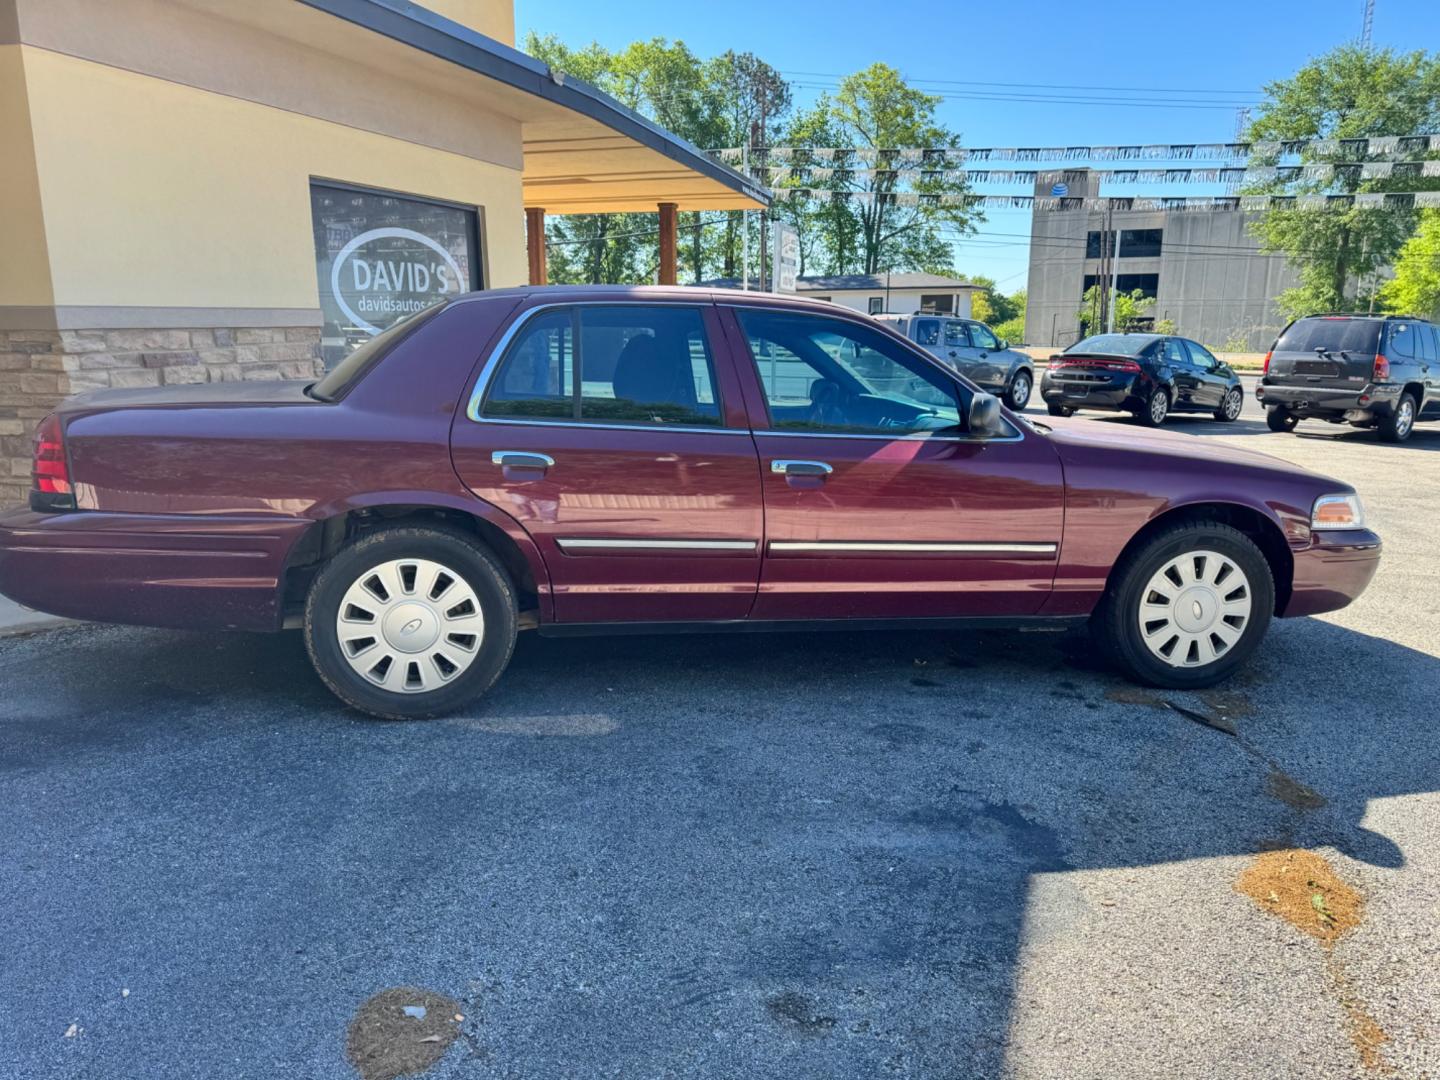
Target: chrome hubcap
1020	391
410	625
1194	609
1159	405
1405	419
1233	403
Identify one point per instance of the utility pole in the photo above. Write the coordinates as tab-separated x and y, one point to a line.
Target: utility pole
1114	284
761	155
745	222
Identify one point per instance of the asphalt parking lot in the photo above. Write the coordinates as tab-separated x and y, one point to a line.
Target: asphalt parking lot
826	855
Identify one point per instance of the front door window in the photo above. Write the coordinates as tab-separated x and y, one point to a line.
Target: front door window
833	375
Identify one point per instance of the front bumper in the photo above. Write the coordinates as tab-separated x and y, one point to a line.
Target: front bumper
1332	571
178	570
1328	400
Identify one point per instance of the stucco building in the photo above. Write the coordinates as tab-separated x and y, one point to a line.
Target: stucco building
197	190
1204	269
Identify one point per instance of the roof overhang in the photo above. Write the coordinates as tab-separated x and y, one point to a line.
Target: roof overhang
584	152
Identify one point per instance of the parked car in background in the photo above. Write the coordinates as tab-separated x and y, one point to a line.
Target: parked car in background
1147	375
972	349
595	459
1375	371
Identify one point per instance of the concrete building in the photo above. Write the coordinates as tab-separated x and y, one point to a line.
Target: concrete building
1204	269
198	190
874	294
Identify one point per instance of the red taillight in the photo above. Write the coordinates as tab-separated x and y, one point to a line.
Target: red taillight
1092	362
1265	369
52	472
1382	368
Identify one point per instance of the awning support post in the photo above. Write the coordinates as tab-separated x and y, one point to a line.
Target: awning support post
667	243
535	243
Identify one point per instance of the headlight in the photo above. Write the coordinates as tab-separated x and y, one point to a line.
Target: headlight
1337	512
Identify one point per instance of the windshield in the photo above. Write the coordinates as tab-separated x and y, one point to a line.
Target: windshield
1331	335
347	373
1113	344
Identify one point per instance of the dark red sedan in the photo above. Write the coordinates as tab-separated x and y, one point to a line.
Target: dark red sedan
600	459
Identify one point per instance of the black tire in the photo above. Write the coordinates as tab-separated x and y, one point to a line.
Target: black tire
1280	420
1155	409
1022	380
1059	410
1397	425
463	555
1231	405
1116	620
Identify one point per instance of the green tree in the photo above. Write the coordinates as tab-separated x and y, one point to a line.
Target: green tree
1415	289
1130	308
992	306
1351	92
876	231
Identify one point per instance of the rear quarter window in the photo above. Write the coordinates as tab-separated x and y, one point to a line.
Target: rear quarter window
1331	335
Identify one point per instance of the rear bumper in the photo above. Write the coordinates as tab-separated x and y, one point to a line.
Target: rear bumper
1332	571
1120	392
1328	400
177	570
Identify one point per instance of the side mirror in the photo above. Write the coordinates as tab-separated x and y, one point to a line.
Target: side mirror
1004	344
985	419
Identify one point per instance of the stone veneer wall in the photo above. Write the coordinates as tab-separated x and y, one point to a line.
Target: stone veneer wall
40	368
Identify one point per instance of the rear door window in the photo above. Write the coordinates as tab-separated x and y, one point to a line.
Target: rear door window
927	332
1174	352
955	335
625	364
1402	341
1331	335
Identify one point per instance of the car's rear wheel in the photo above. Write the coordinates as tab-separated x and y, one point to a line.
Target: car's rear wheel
1187	607
1396	426
1230	406
411	622
1155	409
1017	394
1281	420
1059	410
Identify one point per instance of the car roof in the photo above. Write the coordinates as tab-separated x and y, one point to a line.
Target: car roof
564	294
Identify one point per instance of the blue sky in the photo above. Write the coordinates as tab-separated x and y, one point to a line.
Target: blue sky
1192	64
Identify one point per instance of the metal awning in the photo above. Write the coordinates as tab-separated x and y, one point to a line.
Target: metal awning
584	152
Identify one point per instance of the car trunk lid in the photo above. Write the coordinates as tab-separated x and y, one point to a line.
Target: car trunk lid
196	395
1328	351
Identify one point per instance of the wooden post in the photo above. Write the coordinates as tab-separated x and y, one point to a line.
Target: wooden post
667	243
535	243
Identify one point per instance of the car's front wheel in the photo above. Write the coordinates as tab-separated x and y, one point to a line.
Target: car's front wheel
411	622
1017	394
1188	606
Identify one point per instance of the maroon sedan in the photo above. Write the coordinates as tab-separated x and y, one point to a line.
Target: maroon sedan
595	459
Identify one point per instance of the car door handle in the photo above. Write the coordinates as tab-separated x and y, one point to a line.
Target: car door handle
952	354
522	460
787	467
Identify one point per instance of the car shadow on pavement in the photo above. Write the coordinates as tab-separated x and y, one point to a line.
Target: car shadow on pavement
800	855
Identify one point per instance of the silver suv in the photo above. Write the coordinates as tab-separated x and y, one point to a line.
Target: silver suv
972	349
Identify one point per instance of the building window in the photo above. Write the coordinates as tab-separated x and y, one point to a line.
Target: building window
380	257
937	303
1148	284
1140	243
877	305
1134	243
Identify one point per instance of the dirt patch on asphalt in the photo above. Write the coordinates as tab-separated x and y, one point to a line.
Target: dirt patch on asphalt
1133	695
401	1031
1302	888
798	1014
1229	703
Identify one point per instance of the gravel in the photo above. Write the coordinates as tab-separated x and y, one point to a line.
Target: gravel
813	855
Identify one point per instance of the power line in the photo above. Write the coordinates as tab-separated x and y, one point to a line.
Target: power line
1040	86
